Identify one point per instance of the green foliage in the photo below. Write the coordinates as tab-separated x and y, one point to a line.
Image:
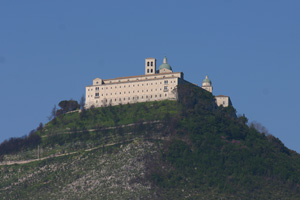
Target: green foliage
215	148
97	118
204	151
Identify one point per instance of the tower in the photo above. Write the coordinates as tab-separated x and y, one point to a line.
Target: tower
206	84
150	66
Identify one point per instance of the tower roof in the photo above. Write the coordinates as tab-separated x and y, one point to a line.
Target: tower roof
206	80
165	65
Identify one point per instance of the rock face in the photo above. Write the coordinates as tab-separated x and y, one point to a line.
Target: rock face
109	173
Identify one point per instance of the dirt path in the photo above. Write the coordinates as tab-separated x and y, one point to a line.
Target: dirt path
107	128
70	153
59	155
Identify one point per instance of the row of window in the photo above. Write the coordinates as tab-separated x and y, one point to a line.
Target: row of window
133	98
97	93
149	70
97	88
150	63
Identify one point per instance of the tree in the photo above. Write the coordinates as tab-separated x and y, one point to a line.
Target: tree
82	102
68	105
40	127
53	113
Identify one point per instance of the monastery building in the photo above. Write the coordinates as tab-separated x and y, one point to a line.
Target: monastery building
155	85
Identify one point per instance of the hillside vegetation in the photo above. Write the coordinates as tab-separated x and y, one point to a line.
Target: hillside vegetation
189	149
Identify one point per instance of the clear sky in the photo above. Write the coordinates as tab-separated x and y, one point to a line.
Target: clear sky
50	50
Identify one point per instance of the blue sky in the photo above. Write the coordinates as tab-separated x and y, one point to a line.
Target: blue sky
50	50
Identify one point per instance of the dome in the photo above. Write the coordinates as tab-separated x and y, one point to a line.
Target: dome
165	65
206	80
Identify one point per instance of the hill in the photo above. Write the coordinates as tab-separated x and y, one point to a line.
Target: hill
189	149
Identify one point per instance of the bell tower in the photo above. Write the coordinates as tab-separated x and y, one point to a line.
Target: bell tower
150	66
206	84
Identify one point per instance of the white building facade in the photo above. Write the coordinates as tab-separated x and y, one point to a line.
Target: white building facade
155	85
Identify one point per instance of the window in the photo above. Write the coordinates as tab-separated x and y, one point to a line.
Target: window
165	88
151	64
148	63
97	82
166	82
151	70
96	94
147	70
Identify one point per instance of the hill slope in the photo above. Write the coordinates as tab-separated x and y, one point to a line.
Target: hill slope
189	149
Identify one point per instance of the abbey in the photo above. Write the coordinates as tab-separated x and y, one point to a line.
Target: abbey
155	85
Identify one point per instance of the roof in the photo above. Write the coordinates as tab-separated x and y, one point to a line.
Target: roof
165	65
221	96
126	77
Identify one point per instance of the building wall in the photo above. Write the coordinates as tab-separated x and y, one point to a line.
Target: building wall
133	89
223	100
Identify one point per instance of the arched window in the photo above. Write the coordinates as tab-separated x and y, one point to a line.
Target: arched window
147	63
147	70
151	70
151	63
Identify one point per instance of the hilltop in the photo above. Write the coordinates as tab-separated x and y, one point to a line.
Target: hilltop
185	149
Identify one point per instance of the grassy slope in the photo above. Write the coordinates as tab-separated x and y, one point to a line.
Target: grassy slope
194	150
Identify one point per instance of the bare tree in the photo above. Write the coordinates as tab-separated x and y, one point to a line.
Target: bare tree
53	113
259	127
